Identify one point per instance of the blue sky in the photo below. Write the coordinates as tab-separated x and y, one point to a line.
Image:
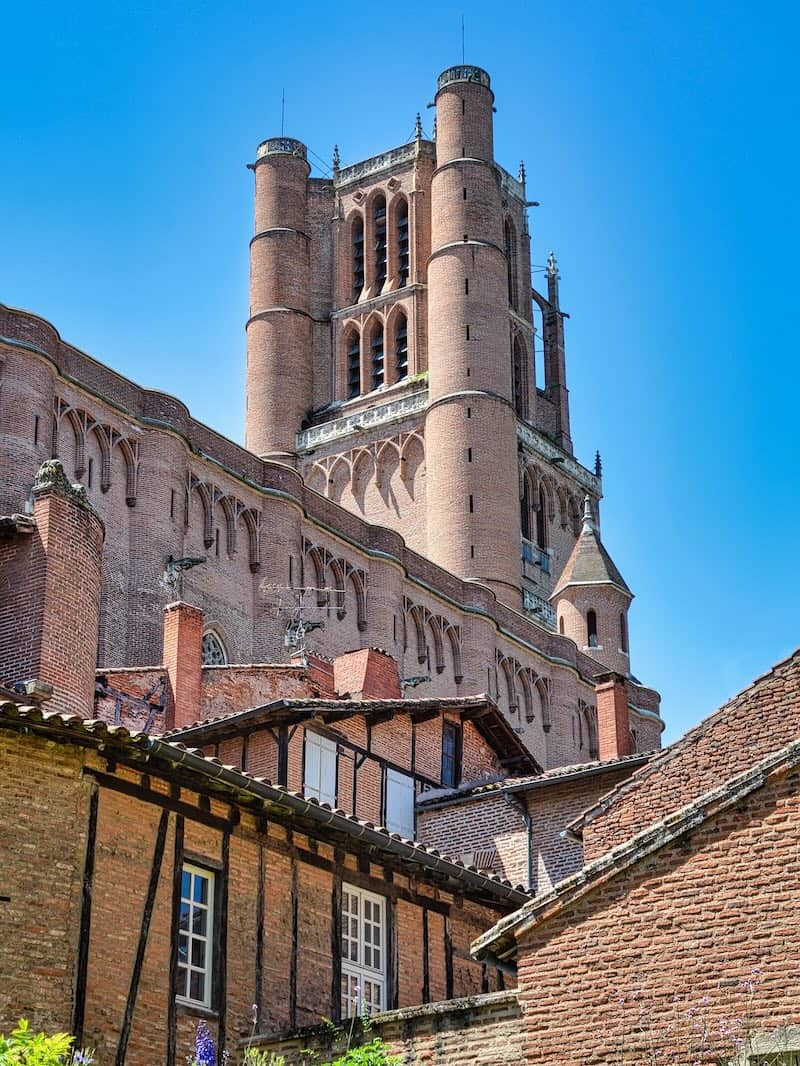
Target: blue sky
660	139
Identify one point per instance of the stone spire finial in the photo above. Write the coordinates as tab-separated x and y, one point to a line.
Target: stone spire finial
522	174
418	127
598	465
336	159
552	266
588	517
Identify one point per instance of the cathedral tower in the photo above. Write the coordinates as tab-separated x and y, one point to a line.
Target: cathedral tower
279	329
470	426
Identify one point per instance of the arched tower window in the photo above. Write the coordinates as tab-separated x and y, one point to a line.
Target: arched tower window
511	261
561	625
591	628
525	509
623	632
379	223
353	349
376	352
358	257
520	383
401	347
403	253
541	520
213	650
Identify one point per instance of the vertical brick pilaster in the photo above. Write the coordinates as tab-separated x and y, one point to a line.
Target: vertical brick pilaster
49	625
183	647
613	726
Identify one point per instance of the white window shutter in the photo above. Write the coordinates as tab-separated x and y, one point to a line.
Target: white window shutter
312	769
327	785
400	803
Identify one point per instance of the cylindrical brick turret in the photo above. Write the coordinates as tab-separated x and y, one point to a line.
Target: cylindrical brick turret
279	359
470	430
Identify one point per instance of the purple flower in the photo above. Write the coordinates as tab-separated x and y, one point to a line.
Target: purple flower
204	1046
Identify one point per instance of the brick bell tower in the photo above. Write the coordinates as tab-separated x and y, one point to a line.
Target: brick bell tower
470	426
279	329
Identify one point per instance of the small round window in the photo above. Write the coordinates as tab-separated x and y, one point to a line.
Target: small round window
213	650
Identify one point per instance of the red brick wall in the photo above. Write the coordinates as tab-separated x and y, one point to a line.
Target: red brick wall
754	723
45	799
687	923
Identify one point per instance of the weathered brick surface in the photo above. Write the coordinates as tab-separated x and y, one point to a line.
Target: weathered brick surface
675	933
44	804
483	1029
752	724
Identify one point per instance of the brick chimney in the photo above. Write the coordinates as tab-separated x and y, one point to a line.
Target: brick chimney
50	609
318	668
183	651
368	674
613	726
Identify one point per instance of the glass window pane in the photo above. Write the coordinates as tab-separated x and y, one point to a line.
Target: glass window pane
197	986
199	953
200	889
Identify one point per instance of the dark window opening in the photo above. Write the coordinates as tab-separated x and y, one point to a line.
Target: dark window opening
379	221
36	429
358	258
89	473
403	255
520	392
376	348
469	412
469	455
591	629
353	367
465	192
216	542
561	625
623	633
401	348
471	504
511	261
467	328
466	286
541	522
172	503
451	755
525	510
472	551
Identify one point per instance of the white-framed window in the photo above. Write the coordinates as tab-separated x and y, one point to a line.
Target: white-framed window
319	778
363	952
196	935
213	650
399	815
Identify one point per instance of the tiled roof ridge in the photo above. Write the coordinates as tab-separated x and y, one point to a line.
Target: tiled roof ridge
98	729
603	803
649	840
554	775
328	702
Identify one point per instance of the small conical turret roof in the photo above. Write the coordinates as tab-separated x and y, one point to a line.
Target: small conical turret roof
590	563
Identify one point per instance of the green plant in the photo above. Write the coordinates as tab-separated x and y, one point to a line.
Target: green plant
24	1047
375	1053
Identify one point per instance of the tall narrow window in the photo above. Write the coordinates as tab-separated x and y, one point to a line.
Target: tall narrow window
319	777
353	366
401	347
525	509
511	261
591	629
376	350
363	952
195	936
541	521
520	392
399	808
403	258
358	257
623	632
379	223
451	754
